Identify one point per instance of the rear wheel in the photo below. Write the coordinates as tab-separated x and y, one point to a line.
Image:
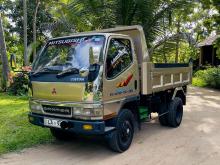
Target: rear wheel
175	114
120	140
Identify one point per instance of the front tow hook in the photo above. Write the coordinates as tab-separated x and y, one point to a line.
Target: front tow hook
65	125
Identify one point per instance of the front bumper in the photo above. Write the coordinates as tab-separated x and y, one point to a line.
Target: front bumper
98	127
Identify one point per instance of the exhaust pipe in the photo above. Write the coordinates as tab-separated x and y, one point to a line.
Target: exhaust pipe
65	125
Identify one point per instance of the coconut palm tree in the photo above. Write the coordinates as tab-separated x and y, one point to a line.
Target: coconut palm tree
84	15
4	59
25	32
97	14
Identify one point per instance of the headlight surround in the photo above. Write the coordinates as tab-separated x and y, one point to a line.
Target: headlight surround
91	112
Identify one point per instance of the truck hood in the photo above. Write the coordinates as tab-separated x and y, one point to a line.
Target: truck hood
47	87
58	91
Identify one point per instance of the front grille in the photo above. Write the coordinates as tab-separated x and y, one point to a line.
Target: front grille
57	110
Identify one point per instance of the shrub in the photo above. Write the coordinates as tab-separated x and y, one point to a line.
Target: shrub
19	82
209	77
19	86
198	82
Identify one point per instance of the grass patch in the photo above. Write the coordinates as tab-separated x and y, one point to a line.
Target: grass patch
15	131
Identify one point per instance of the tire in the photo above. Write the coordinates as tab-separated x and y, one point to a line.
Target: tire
60	134
164	118
121	139
175	114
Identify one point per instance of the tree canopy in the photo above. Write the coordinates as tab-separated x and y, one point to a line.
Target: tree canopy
172	28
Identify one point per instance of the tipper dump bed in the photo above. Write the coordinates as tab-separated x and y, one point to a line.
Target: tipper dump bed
160	77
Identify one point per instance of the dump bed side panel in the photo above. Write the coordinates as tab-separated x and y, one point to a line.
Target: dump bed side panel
160	77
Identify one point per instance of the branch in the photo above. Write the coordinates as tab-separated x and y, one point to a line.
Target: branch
184	36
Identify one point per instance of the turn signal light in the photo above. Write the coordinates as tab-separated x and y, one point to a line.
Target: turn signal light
87	127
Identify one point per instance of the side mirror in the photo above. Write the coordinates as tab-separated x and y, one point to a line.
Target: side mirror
13	61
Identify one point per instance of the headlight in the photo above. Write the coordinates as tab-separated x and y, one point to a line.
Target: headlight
35	107
77	111
92	112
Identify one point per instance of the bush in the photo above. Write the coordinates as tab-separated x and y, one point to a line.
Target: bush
19	82
198	82
19	85
209	78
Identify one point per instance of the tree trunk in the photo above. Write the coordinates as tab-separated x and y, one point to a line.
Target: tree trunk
164	54
25	32
34	27
164	44
4	58
177	42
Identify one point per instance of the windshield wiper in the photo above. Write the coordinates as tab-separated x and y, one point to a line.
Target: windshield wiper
43	70
68	71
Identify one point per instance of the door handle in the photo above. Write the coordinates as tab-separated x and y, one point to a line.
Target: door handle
135	84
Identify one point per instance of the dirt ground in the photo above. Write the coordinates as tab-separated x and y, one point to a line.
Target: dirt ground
195	142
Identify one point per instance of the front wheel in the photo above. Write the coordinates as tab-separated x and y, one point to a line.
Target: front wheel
120	140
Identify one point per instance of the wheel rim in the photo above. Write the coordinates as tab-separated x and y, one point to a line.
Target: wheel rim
179	114
125	132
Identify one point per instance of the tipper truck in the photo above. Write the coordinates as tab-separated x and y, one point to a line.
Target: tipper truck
104	83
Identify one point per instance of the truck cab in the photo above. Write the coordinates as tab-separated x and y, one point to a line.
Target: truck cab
103	83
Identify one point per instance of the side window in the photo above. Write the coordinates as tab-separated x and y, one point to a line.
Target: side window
119	57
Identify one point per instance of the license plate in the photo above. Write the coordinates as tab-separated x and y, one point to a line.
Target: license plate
52	122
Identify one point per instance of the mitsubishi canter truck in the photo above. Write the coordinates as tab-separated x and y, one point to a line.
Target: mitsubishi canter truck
103	83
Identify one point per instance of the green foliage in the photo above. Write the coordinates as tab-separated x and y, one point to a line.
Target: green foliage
196	19
165	53
209	78
81	15
16	15
14	31
15	131
198	82
19	85
159	18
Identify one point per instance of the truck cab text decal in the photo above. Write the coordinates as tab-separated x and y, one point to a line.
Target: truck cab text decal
67	41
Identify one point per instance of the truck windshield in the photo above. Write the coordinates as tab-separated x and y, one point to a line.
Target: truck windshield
76	52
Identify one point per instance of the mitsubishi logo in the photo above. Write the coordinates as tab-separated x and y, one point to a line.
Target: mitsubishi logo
54	92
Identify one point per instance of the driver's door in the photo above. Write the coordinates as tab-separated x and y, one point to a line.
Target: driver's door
120	78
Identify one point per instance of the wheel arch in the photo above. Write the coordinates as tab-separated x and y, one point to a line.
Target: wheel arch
132	106
179	92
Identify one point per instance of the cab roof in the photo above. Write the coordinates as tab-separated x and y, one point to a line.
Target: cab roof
87	34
